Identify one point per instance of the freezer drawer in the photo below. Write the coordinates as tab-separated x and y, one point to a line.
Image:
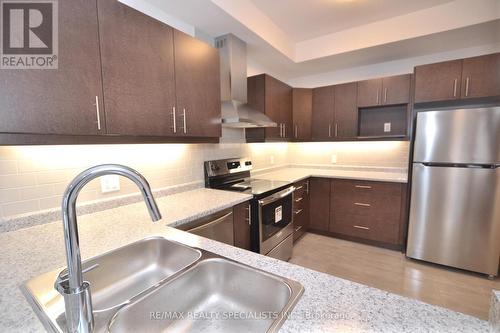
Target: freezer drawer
455	217
463	136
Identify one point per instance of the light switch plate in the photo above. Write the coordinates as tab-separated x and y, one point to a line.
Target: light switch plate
333	159
110	183
387	127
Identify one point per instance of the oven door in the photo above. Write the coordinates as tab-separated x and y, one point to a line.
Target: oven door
275	219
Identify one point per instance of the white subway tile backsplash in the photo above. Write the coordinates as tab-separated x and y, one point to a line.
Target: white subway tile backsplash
8	167
20	207
34	178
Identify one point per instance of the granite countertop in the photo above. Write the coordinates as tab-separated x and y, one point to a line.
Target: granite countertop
328	304
495	312
293	174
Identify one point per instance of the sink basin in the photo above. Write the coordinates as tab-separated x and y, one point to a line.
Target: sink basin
134	287
121	275
215	295
132	269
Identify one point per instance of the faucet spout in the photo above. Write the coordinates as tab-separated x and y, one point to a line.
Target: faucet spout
79	307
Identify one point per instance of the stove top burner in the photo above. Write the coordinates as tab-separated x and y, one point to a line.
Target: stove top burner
257	186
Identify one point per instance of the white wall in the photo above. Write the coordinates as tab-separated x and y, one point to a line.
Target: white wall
388	68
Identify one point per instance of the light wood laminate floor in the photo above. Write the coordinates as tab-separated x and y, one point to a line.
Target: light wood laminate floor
389	270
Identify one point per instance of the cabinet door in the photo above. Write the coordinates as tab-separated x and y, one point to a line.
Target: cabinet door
278	96
481	76
197	87
63	100
137	54
302	113
322	113
346	111
438	82
319	203
396	89
369	93
241	217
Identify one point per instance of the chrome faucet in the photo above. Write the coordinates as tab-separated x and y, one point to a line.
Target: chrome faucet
76	291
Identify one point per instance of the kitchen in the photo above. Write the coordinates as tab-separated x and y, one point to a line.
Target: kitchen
299	178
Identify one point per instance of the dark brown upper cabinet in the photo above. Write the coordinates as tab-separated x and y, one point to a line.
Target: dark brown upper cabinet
121	74
438	82
323	113
302	113
346	112
137	55
274	98
481	76
63	100
197	87
474	77
384	91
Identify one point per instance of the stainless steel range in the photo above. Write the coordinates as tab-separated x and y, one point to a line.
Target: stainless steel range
271	214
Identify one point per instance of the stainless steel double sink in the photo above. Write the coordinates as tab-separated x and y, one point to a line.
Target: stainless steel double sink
158	285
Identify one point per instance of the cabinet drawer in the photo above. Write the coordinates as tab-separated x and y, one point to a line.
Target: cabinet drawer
381	230
366	187
382	206
301	188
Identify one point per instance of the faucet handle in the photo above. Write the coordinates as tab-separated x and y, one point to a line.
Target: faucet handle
62	280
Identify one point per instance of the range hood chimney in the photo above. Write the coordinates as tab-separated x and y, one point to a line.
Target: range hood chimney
236	113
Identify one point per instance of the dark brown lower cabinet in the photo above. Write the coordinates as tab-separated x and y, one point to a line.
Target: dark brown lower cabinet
241	227
300	208
369	211
319	203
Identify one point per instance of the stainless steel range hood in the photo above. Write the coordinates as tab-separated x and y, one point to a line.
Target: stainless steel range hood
236	113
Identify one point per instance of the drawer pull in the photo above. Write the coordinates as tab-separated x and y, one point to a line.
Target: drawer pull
363	186
297	212
361	227
299	199
298	188
362	204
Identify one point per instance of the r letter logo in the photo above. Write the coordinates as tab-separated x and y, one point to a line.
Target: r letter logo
29	34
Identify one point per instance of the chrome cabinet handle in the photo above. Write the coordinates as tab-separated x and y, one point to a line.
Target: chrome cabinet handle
281	130
361	227
249	219
184	119
467	86
455	82
174	120
363	186
329	130
362	204
298	188
296	131
307	187
284	130
97	113
299	199
336	129
297	212
385	95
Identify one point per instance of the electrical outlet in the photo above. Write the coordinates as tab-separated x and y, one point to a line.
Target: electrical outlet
271	159
387	127
110	183
334	159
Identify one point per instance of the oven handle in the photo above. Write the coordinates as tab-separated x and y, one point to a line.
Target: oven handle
276	196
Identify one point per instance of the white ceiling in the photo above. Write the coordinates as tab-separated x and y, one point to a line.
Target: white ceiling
305	19
448	30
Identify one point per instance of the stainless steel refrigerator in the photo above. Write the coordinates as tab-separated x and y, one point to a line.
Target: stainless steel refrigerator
455	195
